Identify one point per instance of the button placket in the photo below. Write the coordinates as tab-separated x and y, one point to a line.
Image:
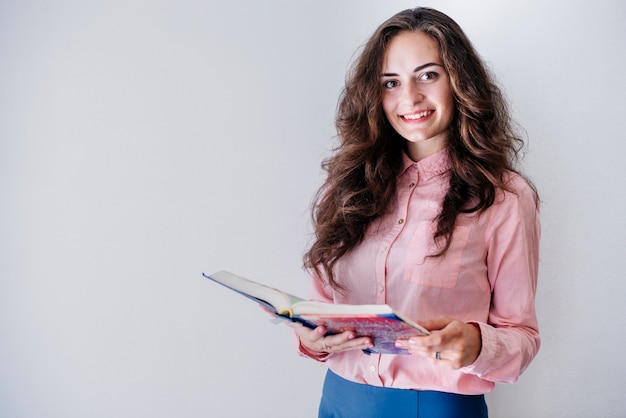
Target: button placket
385	248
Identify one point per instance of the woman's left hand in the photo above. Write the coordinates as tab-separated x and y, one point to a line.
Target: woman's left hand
451	343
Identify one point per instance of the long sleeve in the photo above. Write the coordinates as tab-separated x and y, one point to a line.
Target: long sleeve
511	336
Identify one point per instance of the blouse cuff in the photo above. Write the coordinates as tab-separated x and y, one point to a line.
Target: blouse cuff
315	355
488	351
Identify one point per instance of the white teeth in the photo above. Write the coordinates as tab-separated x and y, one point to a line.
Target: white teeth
417	115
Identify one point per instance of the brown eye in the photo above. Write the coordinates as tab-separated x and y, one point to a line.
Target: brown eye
429	76
389	84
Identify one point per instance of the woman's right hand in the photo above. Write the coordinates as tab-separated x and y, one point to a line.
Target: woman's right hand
317	340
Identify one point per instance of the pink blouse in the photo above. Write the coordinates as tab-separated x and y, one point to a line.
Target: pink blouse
487	277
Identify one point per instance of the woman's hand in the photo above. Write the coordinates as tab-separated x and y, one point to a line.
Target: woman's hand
451	343
317	340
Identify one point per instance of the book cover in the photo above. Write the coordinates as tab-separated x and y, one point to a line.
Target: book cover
380	322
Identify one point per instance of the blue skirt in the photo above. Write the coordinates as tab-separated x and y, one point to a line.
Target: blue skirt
342	398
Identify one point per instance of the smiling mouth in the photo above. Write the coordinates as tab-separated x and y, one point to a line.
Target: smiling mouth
416	116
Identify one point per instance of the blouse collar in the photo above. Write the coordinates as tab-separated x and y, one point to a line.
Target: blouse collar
431	166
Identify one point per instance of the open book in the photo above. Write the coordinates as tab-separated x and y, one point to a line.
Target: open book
380	322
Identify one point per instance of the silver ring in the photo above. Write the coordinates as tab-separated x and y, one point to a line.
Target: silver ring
437	355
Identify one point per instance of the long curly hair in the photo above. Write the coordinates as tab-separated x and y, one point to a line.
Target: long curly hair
361	175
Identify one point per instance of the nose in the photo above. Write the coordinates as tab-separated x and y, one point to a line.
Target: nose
412	94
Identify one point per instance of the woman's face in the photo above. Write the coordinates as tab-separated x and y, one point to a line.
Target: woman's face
417	98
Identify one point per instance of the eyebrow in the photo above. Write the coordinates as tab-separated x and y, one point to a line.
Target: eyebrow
417	69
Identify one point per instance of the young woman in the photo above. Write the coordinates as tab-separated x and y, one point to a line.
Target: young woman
423	210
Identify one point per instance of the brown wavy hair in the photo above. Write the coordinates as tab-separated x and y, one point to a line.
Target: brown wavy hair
361	175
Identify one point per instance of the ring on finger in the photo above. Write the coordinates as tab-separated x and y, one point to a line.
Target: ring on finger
324	346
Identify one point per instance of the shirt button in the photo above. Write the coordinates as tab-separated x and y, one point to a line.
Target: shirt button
411	185
381	288
383	248
400	221
372	369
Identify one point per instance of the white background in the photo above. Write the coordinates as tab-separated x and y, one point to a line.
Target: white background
143	142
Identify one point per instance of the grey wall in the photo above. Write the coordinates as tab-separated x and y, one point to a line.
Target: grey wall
143	142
